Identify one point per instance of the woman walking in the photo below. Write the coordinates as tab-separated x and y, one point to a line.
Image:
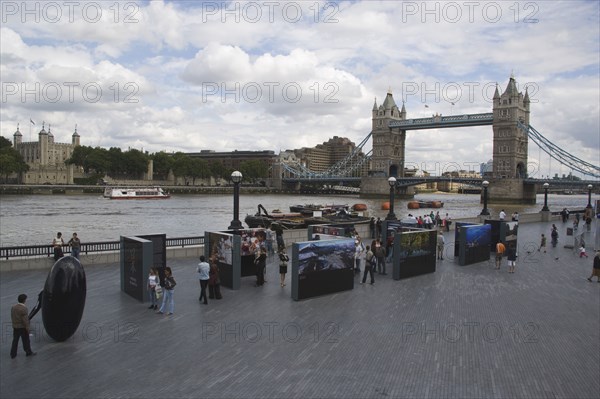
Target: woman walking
283	260
169	287
214	282
596	269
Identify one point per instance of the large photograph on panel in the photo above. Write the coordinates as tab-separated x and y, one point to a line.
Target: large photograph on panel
511	231
132	266
322	267
497	233
159	253
220	248
474	244
414	253
457	227
251	241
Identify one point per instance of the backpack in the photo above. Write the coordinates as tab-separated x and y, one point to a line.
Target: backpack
372	260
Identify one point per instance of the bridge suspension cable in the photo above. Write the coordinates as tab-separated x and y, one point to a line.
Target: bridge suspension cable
559	154
345	167
356	159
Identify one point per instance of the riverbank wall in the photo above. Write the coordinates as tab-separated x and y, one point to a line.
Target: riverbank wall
290	237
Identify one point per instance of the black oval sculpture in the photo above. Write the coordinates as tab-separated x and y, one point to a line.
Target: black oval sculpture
63	298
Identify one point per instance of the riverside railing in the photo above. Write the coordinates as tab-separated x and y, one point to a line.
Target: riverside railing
89	247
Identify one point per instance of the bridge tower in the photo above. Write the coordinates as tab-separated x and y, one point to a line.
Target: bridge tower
388	144
510	147
387	158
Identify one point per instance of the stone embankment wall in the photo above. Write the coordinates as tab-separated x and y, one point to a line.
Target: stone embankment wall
40	263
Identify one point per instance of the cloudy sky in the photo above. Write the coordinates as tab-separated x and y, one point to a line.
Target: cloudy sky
276	75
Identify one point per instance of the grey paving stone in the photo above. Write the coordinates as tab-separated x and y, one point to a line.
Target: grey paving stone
462	332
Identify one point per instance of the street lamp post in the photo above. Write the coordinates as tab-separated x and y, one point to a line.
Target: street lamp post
236	178
392	183
545	208
485	211
589	205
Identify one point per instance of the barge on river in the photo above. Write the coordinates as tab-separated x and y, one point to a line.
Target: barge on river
296	220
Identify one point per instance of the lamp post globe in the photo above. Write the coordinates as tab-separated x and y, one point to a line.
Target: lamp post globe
236	178
545	208
485	211
392	182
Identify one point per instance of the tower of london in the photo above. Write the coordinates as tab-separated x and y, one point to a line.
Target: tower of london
46	158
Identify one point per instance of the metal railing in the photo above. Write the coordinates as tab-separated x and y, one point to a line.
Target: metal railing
88	248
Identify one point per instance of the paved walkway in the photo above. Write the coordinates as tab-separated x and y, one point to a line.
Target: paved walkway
462	332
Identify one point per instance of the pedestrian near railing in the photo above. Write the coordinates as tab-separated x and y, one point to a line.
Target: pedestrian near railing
88	247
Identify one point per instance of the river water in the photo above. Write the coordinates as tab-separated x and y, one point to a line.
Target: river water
35	219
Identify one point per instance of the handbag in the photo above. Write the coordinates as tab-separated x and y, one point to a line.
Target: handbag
158	291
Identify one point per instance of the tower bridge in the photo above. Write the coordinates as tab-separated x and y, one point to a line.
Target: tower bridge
509	181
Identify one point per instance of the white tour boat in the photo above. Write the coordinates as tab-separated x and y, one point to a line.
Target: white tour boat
135	193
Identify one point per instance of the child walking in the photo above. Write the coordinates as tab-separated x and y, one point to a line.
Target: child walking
542	243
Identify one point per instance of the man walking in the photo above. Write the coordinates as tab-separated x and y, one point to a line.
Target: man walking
379	252
441	242
20	322
203	276
369	264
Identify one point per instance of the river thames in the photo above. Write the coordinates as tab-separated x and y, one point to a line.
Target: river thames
35	219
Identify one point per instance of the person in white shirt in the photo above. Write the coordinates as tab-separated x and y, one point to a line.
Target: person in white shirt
502	215
203	276
58	243
359	250
153	281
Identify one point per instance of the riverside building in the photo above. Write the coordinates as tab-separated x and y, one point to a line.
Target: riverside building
46	158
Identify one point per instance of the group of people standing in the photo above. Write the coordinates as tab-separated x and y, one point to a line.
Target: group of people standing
511	255
164	290
371	256
263	247
58	243
208	276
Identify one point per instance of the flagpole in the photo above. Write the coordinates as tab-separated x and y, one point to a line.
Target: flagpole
30	130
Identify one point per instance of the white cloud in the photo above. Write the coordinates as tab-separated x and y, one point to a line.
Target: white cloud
181	62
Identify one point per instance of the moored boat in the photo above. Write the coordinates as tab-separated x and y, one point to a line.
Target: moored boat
126	193
296	220
309	209
262	218
359	207
425	204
